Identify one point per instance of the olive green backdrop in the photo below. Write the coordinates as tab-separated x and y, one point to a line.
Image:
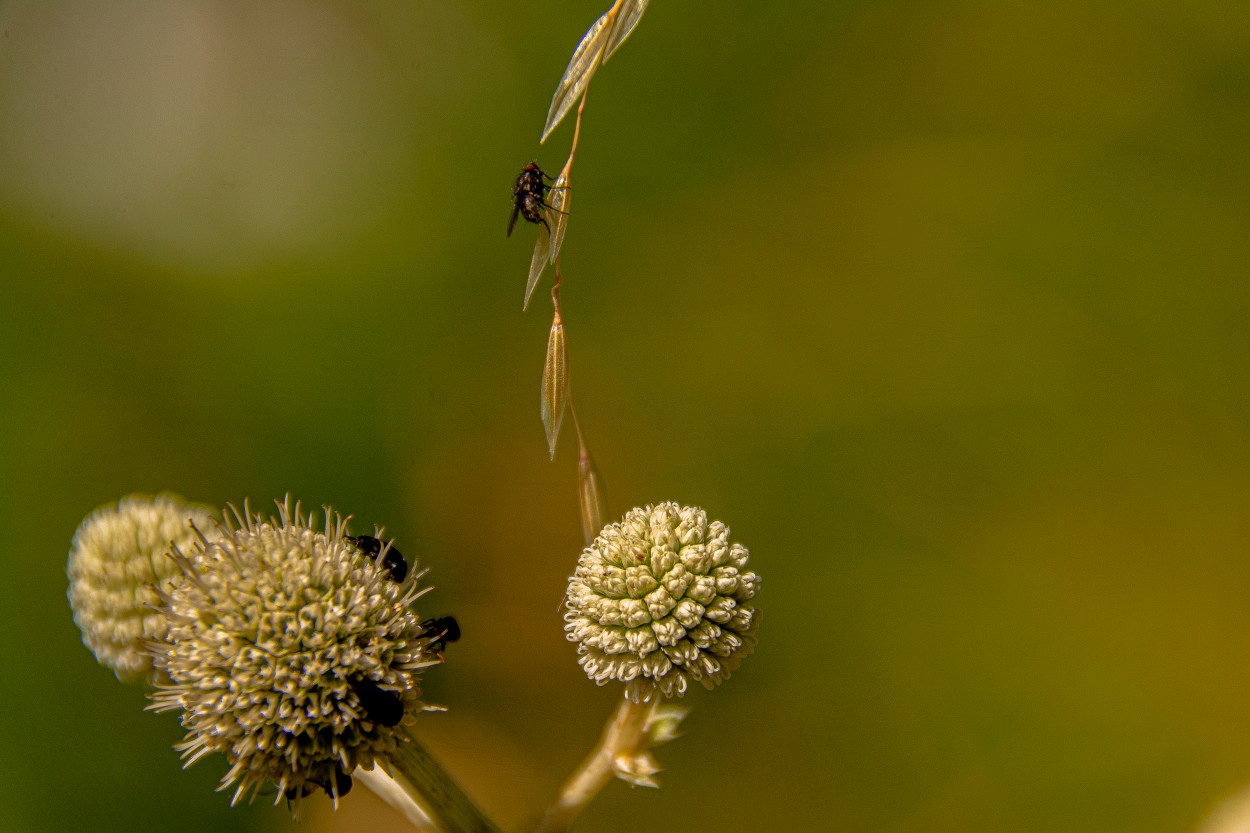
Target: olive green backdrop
942	307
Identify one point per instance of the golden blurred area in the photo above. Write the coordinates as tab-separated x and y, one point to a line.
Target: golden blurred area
941	308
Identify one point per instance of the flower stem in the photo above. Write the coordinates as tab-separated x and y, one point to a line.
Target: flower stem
624	736
445	807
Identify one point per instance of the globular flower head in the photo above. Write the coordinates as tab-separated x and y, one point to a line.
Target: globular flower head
293	652
116	563
662	598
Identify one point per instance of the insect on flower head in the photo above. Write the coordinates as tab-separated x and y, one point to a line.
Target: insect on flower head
291	651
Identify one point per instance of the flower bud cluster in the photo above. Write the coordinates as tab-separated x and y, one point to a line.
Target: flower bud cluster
117	562
662	598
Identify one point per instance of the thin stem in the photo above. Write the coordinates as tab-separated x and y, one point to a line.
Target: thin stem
555	289
582	452
567	170
436	796
565	174
623	736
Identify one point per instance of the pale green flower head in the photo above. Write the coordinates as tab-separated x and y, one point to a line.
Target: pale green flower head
293	653
116	563
659	599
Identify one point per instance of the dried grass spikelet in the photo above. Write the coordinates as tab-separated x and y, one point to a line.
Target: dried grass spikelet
602	39
550	234
538	262
555	389
590	496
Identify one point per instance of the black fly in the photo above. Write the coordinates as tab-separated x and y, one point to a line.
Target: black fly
393	561
342	783
445	628
379	705
529	197
342	786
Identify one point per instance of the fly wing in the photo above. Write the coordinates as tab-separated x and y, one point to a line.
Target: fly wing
516	209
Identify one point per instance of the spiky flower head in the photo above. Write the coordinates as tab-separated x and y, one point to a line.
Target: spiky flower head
293	652
116	562
659	599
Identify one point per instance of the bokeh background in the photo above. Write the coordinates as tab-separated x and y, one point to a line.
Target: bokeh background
942	307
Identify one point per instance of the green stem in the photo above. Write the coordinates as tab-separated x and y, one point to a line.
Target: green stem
447	809
624	736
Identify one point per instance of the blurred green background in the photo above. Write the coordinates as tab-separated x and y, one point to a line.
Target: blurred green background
942	307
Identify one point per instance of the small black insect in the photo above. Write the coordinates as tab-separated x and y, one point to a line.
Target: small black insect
341	787
445	628
381	706
342	783
303	791
393	561
529	197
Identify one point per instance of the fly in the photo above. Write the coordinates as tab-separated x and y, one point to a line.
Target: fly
529	197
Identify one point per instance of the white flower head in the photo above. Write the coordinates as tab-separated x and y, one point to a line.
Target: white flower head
662	598
292	651
116	563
